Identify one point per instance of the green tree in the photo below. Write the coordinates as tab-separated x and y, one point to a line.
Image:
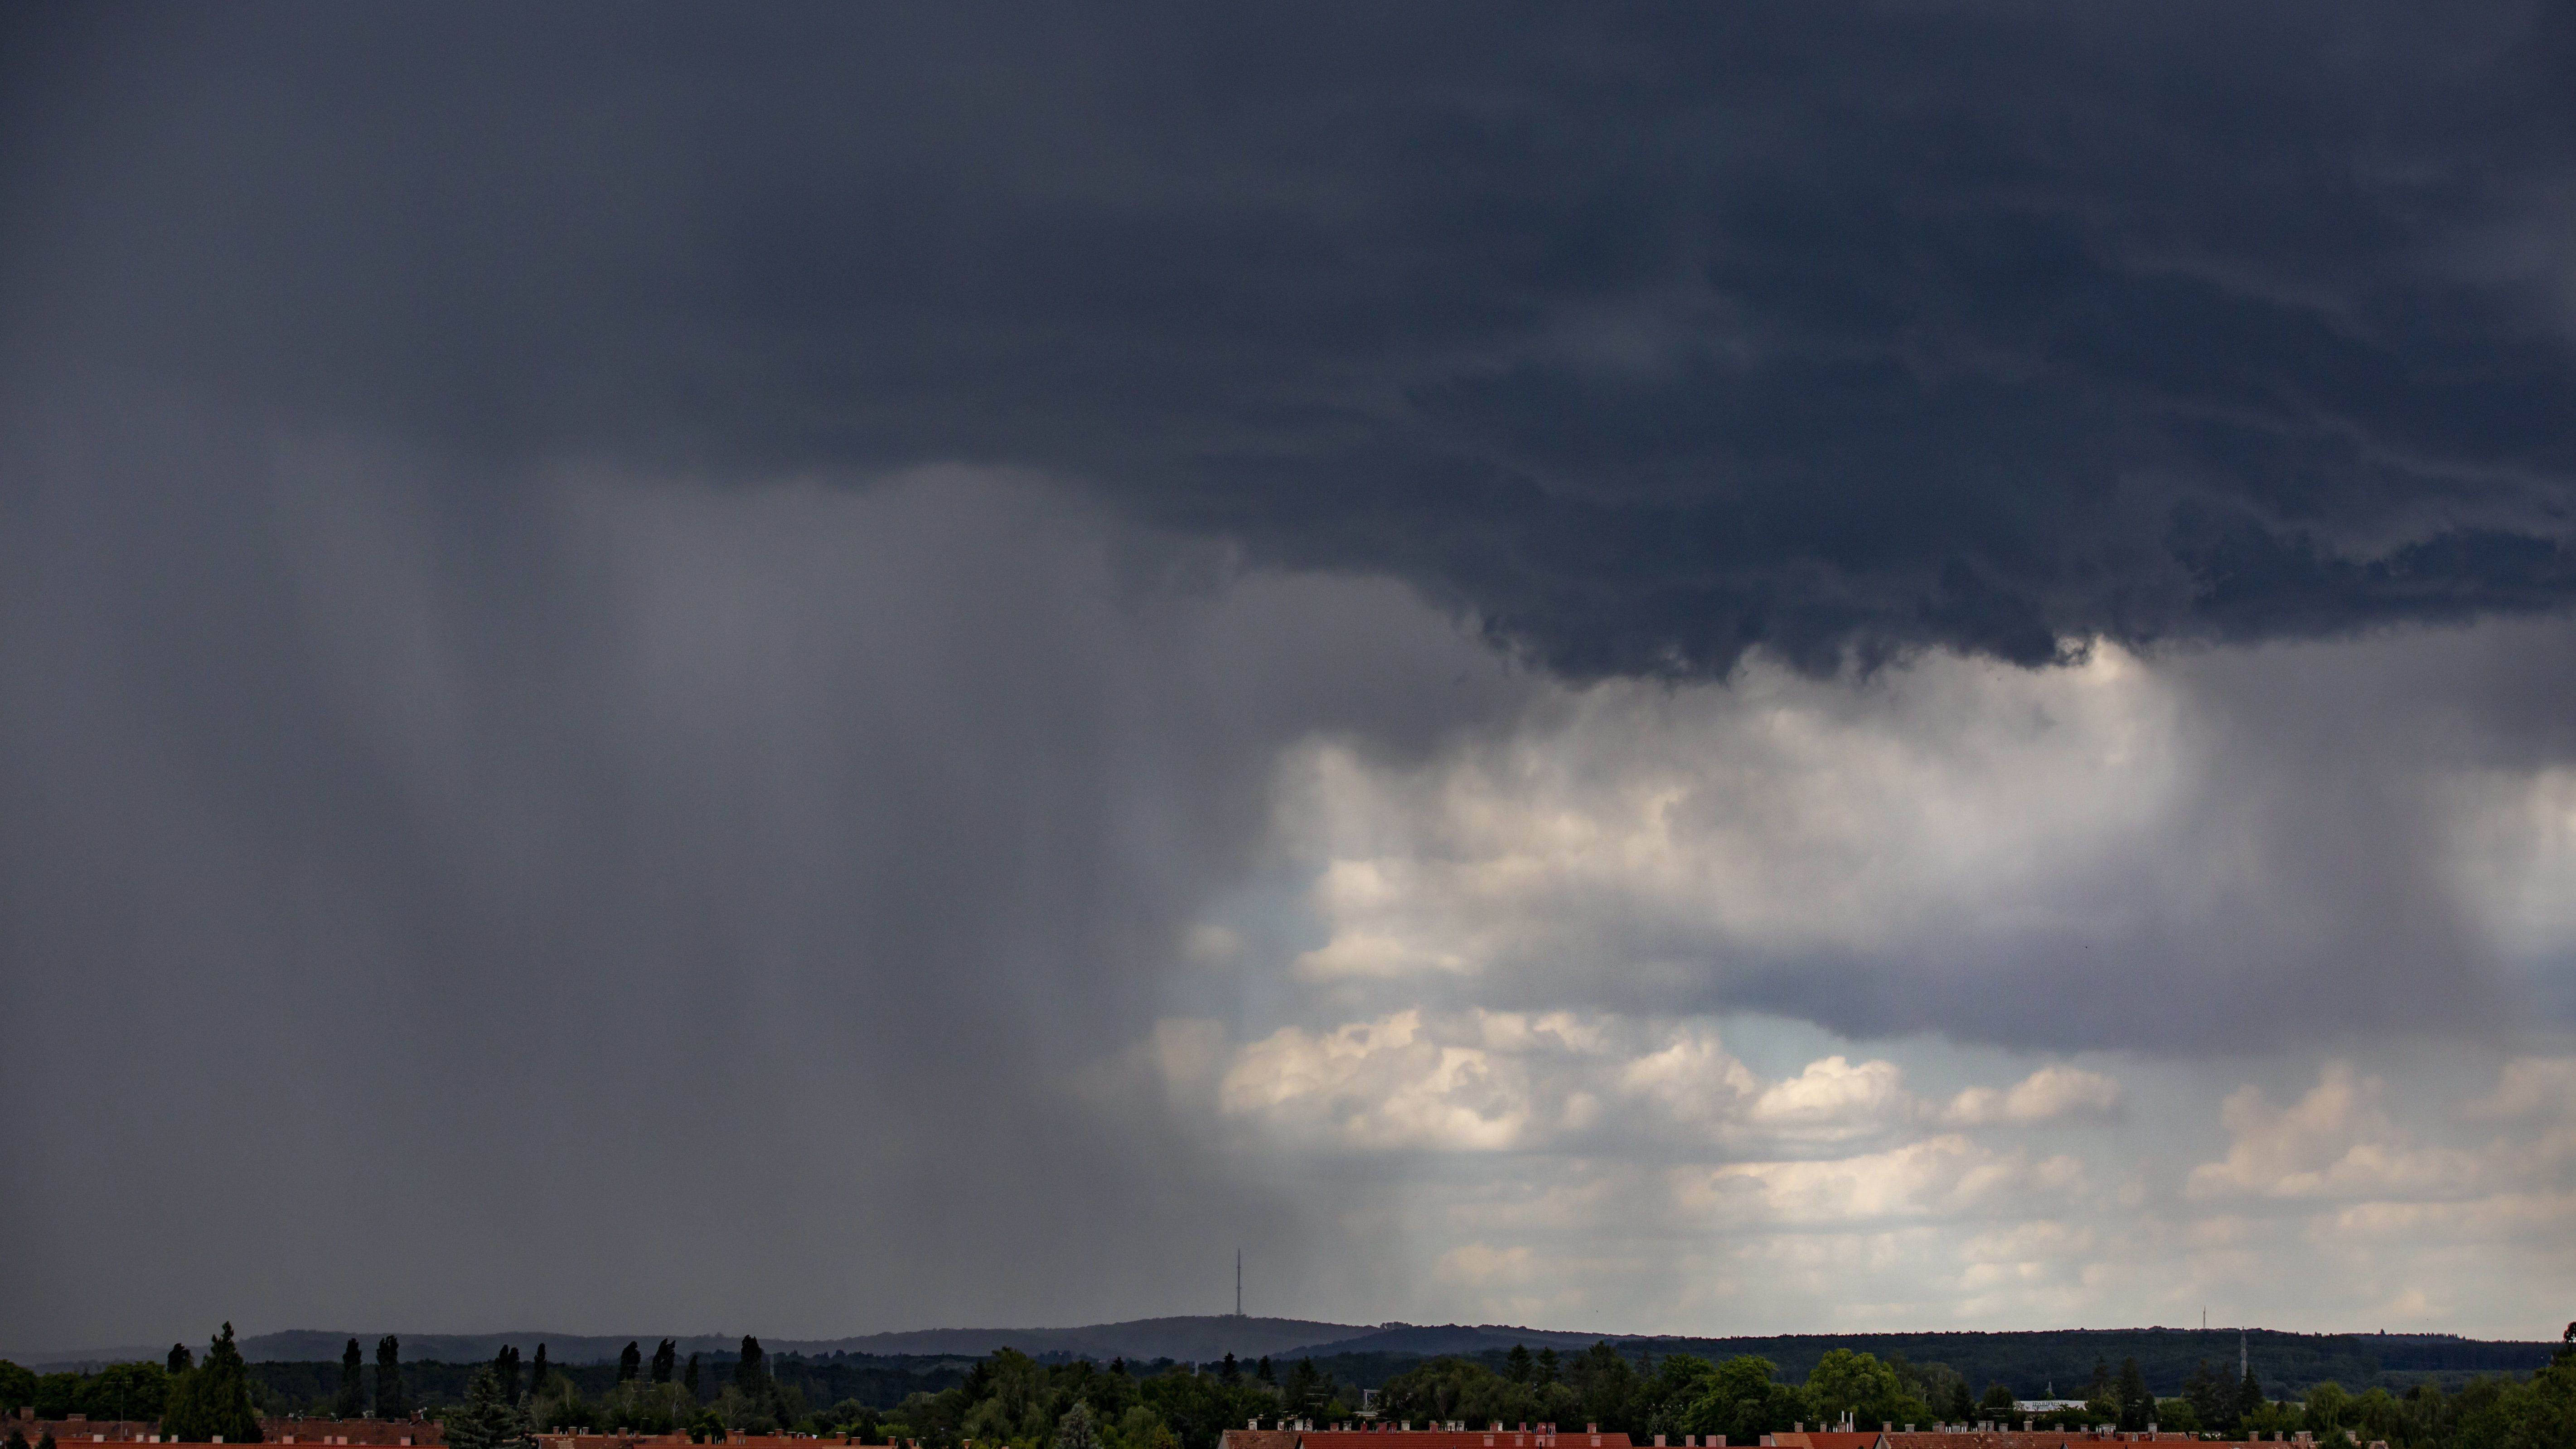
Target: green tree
1074	1430
1307	1391
2135	1403
180	1359
1261	1371
17	1386
1229	1372
2538	1414
1742	1399
1997	1402
124	1391
505	1372
1961	1407
2213	1406
213	1399
751	1371
663	1359
1516	1364
2249	1396
537	1374
1547	1366
1860	1387
352	1399
490	1418
630	1364
17	1436
391	1401
692	1380
2323	1413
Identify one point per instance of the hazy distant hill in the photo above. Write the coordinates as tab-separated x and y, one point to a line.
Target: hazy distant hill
2029	1362
1196	1339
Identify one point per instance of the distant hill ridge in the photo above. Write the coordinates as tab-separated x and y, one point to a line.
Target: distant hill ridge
2165	1353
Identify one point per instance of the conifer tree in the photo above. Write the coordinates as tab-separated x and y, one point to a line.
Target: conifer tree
1228	1372
537	1375
752	1372
692	1381
505	1372
629	1364
663	1358
1261	1370
2136	1404
180	1359
352	1399
1516	1365
213	1399
491	1418
391	1401
1547	1365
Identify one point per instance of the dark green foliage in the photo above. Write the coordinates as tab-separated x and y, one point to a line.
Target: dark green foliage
1961	1408
17	1386
17	1438
693	1377
1740	1399
1075	1431
1547	1365
1996	1401
391	1401
351	1401
212	1398
1229	1372
45	1440
1308	1391
2136	1405
663	1358
1516	1366
180	1359
1261	1370
751	1372
2212	1400
537	1374
505	1372
630	1362
490	1417
118	1391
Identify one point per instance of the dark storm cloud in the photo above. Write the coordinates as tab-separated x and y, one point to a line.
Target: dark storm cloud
476	846
1645	336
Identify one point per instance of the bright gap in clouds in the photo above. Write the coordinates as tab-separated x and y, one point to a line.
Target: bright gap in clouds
2070	1007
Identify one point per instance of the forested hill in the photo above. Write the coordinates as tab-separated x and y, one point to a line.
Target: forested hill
2029	1363
1189	1339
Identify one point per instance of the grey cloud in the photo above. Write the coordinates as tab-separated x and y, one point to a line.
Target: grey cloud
629	902
436	740
1645	338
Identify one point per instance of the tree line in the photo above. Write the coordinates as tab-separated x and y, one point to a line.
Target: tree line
1011	1401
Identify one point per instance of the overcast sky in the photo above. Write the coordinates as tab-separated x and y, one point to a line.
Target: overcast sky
1749	669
